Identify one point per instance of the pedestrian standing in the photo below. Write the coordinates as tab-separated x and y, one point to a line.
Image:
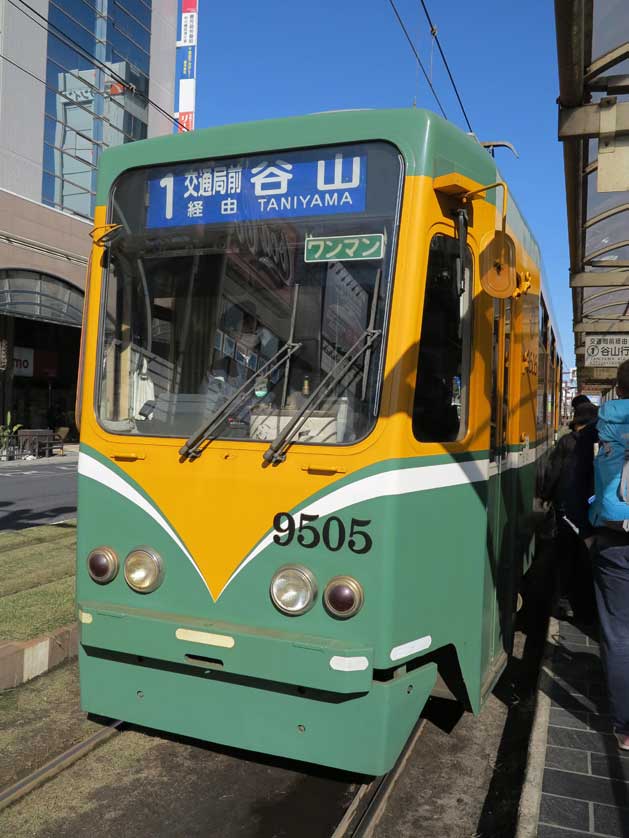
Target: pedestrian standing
609	550
580	399
567	484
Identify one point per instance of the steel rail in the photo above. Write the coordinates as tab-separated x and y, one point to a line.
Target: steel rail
366	809
57	765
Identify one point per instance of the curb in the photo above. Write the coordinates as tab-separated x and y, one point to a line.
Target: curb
530	799
70	456
22	661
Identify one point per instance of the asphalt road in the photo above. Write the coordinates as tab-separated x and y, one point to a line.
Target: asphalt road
37	492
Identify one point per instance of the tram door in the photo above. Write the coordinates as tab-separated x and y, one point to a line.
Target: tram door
496	628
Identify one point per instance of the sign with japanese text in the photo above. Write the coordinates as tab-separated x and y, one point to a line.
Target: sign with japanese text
344	248
266	188
188	30
186	65
186	120
606	350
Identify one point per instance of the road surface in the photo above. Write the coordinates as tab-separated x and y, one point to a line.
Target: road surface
37	492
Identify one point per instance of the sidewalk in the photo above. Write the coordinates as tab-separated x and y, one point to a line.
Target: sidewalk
70	455
577	779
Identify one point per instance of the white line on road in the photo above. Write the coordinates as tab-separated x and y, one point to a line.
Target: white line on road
34	472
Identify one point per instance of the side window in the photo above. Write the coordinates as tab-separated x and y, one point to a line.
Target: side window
440	408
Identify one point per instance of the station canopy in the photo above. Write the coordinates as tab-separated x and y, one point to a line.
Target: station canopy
593	59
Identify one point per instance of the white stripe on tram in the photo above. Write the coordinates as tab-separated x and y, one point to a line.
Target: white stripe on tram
94	470
400	481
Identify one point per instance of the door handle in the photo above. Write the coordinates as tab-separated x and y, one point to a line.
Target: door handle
324	469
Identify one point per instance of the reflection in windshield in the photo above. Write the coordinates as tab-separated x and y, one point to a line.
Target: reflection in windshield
194	312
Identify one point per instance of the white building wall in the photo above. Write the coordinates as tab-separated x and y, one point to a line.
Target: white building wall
162	71
22	99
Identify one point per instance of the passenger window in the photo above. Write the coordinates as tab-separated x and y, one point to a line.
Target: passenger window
441	390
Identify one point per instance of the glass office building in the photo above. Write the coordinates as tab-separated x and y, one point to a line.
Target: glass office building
76	77
97	76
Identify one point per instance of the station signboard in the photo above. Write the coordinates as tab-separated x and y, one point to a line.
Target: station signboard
608	350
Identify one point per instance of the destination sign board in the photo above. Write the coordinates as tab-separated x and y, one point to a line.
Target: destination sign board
260	188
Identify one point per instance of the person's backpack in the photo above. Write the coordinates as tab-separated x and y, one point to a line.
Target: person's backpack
611	465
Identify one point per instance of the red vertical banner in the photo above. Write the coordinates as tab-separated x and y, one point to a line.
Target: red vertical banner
186	121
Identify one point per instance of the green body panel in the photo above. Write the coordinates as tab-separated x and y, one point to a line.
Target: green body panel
509	553
426	577
416	583
363	733
413	573
430	145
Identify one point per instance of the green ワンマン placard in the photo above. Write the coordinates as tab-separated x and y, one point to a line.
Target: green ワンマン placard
344	248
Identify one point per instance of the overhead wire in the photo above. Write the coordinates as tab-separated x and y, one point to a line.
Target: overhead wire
87	55
433	32
417	58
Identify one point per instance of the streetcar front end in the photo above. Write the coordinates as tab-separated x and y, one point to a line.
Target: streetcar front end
249	502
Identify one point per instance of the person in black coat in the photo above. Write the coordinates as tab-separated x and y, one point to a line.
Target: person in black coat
568	484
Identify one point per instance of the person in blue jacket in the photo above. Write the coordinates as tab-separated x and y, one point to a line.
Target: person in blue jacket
608	540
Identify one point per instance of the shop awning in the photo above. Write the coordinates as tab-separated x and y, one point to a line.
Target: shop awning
39	296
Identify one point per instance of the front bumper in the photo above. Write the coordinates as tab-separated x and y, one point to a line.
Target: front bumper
285	657
261	690
362	733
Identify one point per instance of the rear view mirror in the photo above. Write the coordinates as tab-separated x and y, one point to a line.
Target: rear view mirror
497	265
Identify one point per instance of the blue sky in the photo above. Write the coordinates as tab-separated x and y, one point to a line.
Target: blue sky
260	59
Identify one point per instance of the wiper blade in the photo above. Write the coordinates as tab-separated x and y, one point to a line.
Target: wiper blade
191	446
276	452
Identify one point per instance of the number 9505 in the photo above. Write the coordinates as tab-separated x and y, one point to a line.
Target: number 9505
332	535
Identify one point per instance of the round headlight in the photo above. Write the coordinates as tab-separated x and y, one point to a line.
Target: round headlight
102	565
343	597
293	589
143	570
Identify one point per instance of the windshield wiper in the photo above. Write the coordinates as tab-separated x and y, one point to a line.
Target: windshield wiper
191	446
276	452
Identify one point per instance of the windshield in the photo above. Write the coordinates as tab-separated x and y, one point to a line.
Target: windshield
217	266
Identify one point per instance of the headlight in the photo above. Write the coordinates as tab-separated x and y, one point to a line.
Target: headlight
143	570
343	597
293	589
102	565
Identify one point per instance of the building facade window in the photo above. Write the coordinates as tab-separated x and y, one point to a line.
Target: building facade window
97	76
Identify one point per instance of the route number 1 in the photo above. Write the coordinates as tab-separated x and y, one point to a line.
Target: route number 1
169	185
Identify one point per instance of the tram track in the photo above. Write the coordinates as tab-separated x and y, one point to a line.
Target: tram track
55	766
358	820
363	813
